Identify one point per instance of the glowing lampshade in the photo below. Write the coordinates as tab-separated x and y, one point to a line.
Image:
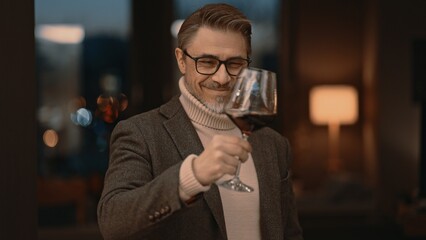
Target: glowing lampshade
333	104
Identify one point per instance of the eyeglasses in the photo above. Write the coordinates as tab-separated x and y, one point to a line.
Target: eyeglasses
209	65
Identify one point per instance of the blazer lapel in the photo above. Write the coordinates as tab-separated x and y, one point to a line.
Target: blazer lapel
183	134
212	198
268	176
187	142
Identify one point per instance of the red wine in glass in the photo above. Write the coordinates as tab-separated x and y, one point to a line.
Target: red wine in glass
251	121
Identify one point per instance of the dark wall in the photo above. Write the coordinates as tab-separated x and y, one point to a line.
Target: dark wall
151	58
367	44
17	121
398	117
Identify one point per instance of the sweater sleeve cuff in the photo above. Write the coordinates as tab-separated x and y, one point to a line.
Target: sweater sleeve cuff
188	184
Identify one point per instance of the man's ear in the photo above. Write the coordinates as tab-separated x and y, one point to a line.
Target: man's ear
180	60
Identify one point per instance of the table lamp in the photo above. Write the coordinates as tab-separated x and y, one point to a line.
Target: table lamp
333	105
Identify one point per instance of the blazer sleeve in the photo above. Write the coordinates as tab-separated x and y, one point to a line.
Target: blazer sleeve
133	199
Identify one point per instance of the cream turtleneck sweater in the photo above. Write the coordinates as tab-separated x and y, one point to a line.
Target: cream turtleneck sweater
241	210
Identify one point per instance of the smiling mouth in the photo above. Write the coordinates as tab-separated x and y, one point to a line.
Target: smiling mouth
226	89
214	86
219	92
221	89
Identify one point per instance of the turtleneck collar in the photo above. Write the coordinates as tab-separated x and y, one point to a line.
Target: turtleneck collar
200	114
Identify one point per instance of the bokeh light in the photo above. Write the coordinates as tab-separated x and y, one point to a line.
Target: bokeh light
60	33
83	117
76	103
174	29
108	106
50	138
51	117
110	83
123	101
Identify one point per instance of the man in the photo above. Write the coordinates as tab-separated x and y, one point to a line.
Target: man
164	164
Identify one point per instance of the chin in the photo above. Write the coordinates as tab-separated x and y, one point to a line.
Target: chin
217	108
218	105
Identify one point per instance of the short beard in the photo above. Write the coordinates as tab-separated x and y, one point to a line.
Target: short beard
218	106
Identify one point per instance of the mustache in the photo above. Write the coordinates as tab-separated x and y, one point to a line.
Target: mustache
217	86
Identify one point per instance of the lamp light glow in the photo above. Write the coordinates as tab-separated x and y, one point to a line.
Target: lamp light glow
333	105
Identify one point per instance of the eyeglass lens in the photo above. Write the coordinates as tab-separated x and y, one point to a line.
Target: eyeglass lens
208	65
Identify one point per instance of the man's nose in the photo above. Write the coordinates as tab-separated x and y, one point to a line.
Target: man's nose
221	76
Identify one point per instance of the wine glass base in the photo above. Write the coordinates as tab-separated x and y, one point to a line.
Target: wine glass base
236	185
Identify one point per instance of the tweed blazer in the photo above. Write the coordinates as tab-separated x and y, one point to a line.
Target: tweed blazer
140	199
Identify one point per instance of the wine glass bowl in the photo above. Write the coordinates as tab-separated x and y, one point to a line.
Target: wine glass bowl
252	104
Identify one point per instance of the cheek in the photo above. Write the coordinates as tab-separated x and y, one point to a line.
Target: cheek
191	82
195	82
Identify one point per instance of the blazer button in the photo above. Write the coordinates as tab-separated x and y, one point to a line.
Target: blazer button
166	209
157	215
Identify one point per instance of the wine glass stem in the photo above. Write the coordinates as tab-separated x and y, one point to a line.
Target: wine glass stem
237	173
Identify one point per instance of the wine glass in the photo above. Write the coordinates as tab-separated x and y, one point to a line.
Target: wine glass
253	103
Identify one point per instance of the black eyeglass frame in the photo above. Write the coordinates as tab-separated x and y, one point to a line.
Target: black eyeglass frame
218	66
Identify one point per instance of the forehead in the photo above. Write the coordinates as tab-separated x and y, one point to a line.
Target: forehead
217	42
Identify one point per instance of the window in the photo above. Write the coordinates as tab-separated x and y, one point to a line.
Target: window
81	65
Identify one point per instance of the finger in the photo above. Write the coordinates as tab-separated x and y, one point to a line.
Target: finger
237	151
231	161
218	141
246	145
229	169
231	142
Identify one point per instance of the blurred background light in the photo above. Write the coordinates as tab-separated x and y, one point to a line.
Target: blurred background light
84	117
60	33
174	29
110	83
123	101
333	104
50	138
76	103
51	117
109	107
